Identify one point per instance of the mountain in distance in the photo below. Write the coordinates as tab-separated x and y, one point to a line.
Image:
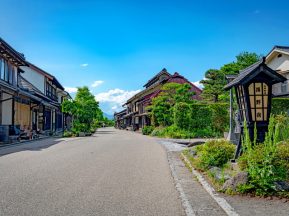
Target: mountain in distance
109	116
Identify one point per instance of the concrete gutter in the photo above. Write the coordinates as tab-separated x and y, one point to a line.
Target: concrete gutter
230	211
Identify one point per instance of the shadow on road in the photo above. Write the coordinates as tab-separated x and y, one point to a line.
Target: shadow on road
104	132
28	146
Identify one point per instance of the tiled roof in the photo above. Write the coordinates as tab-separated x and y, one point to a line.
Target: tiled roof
243	74
10	51
251	69
282	48
163	71
177	78
278	49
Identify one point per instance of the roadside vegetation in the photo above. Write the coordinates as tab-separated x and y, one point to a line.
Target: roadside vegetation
85	112
262	169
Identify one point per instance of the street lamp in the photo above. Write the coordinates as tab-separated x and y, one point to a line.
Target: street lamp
231	136
253	87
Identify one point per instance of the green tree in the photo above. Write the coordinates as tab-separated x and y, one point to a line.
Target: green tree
213	85
161	109
84	109
215	80
243	60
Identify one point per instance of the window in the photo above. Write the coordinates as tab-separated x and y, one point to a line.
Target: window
258	93
6	71
10	73
51	91
2	68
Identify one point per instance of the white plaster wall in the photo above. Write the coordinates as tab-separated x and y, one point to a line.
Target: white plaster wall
6	109
281	63
34	78
60	94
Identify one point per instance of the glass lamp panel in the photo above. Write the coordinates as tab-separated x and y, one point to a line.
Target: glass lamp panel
253	114
252	101
258	88
251	89
259	115
265	115
265	89
265	99
259	102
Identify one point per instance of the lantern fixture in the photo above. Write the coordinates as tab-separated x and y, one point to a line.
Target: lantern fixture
253	88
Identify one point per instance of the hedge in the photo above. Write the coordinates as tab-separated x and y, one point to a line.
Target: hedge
201	116
182	115
215	116
220	116
280	105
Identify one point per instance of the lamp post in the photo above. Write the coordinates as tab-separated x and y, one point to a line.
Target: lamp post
253	87
231	136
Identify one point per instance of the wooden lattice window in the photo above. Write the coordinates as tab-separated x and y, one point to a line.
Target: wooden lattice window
258	94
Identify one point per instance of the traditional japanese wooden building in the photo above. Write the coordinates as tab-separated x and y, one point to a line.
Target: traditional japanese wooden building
120	120
136	115
25	96
278	60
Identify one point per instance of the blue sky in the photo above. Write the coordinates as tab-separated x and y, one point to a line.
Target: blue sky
122	44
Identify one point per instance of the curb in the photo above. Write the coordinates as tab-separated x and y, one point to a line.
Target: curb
10	145
184	200
229	210
4	146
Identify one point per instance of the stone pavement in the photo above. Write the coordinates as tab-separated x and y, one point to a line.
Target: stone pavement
203	204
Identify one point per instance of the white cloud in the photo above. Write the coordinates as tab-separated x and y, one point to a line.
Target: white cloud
96	83
70	89
114	99
118	96
198	84
114	107
84	65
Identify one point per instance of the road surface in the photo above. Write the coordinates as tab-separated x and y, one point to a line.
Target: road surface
111	173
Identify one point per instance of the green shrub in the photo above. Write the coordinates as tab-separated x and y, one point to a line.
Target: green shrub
257	157
158	132
280	105
283	126
147	130
182	115
67	134
201	116
194	121
282	157
220	117
175	132
204	133
267	162
215	153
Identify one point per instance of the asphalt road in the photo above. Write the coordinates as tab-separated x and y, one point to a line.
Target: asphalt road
112	173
